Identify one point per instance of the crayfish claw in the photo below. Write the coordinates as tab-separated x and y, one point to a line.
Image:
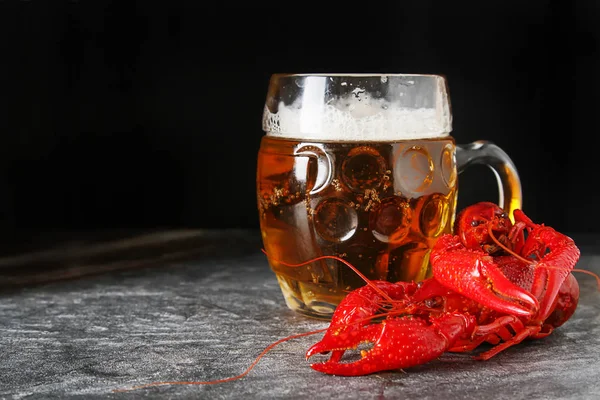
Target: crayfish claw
338	343
401	343
494	282
505	296
319	348
474	274
351	323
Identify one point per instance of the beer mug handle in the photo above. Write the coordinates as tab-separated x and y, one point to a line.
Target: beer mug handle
487	153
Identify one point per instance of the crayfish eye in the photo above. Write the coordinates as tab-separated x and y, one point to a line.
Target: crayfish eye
504	215
475	223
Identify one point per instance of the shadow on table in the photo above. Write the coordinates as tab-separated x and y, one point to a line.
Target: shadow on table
70	258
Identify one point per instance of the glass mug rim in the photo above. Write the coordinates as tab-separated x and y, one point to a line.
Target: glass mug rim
357	106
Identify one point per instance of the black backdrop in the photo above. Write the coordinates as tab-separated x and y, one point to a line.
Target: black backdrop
147	114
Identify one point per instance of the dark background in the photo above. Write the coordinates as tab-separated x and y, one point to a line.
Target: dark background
147	114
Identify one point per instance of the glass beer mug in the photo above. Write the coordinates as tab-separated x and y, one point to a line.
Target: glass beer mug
361	167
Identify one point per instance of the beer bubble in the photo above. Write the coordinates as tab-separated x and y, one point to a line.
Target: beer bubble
335	220
357	92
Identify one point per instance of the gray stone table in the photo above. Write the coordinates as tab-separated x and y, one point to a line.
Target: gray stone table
208	316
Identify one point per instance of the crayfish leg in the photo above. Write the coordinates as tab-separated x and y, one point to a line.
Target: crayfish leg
518	338
464	346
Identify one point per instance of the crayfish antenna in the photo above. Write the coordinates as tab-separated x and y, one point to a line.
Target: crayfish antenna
509	251
372	285
224	380
582	271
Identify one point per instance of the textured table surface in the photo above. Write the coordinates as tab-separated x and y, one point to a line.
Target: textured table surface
208	318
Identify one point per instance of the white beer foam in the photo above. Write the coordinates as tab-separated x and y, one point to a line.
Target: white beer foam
356	119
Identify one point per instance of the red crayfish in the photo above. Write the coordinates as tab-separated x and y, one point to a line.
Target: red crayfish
492	282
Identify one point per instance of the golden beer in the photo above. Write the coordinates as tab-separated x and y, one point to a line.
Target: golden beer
363	168
381	208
